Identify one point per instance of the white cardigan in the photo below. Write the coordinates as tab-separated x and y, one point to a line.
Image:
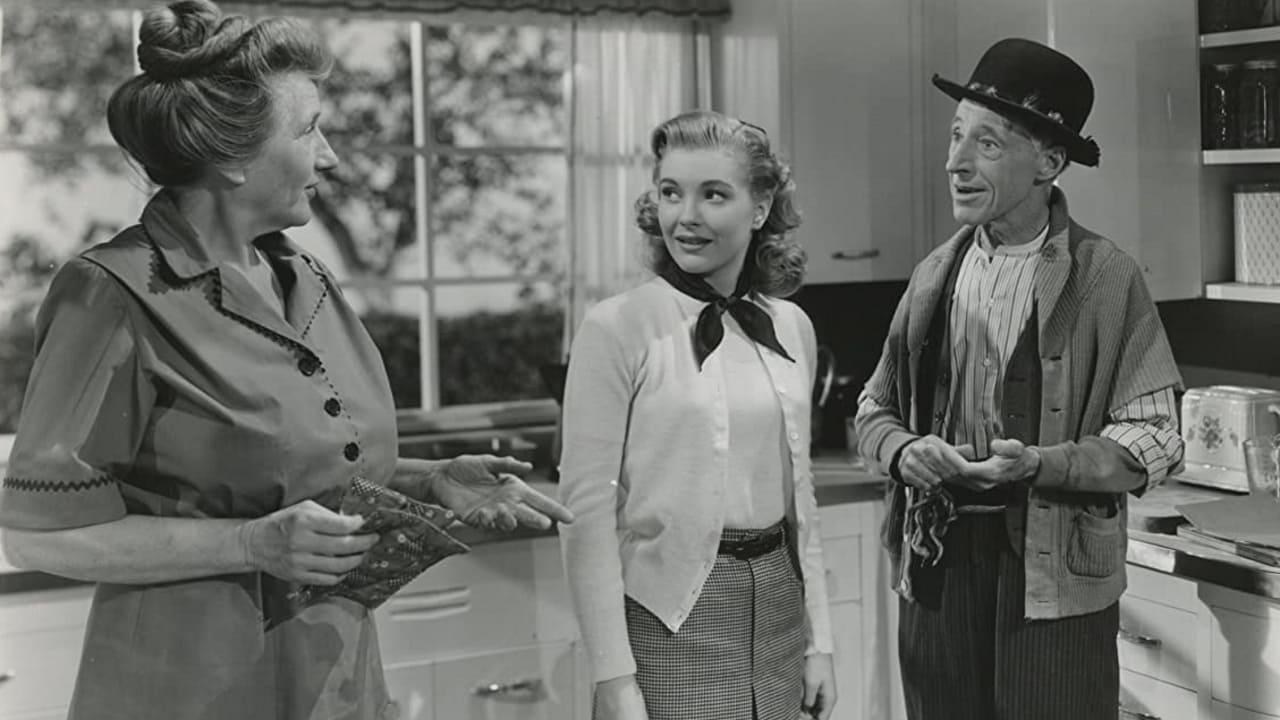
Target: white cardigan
645	465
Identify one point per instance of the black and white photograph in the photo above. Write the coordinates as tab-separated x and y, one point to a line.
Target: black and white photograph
639	360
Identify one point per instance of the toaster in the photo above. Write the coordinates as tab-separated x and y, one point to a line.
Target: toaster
1216	421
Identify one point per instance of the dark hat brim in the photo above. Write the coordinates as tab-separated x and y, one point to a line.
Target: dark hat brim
1080	150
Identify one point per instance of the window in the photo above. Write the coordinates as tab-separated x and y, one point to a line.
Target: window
445	223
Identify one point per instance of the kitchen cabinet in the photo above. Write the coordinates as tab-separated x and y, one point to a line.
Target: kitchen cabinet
1158	646
1192	649
1146	193
1244	657
851	94
41	634
491	634
486	635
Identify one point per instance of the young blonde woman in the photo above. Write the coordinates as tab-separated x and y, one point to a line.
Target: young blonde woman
694	563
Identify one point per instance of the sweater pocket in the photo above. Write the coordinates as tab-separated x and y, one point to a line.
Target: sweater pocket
1095	548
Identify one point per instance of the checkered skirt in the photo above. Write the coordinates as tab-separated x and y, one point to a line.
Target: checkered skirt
740	653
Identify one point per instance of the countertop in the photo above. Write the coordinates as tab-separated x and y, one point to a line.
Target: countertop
837	480
1153	545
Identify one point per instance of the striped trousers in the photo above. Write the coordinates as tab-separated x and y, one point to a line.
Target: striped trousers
967	653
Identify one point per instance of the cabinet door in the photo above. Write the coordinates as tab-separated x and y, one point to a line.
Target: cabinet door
1145	194
851	658
41	637
1145	698
412	689
481	601
850	84
1245	659
537	683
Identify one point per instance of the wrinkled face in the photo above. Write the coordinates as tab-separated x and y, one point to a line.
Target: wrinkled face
281	180
992	166
707	213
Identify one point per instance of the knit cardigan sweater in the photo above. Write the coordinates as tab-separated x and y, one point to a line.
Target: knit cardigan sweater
1100	344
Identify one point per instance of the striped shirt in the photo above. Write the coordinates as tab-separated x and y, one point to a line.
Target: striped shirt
991	304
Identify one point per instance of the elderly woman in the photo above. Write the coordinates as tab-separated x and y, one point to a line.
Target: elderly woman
686	451
198	379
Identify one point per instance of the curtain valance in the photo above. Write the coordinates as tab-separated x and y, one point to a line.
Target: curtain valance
702	9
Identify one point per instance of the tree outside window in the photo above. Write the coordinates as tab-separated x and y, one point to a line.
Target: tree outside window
445	222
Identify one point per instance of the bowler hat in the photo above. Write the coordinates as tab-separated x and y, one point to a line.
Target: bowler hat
1037	86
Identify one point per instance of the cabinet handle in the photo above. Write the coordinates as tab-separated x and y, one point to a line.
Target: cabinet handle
1136	639
526	690
859	255
7	675
1136	714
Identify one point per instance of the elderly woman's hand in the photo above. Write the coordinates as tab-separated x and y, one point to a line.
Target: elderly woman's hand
486	491
306	543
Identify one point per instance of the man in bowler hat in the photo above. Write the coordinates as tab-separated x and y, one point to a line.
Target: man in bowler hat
1026	387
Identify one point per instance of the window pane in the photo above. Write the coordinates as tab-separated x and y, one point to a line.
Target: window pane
368	98
498	215
497	85
17	350
493	338
51	206
57	69
392	317
362	223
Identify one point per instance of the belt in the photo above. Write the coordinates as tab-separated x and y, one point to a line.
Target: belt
753	547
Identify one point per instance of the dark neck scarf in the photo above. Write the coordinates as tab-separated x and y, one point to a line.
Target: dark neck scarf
709	330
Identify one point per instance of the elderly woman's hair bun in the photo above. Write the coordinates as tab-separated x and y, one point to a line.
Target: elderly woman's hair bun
186	39
204	96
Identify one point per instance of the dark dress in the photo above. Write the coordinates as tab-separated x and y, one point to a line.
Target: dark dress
166	385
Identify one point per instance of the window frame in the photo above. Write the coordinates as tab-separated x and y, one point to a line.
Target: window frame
424	149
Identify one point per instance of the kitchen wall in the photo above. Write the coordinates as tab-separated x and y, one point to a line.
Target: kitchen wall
1214	341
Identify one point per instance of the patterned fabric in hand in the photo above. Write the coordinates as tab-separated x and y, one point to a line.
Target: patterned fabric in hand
411	539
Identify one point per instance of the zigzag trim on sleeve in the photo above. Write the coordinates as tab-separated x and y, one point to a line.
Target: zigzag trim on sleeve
30	485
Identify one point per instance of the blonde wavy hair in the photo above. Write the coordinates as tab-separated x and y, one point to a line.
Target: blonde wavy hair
775	260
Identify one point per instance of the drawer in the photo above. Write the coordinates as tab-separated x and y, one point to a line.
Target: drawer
537	683
1145	698
843	558
1162	588
1223	711
1157	640
1245	657
483	600
411	688
41	638
849	519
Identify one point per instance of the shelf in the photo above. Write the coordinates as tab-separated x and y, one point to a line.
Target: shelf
1243	291
1241	37
1242	157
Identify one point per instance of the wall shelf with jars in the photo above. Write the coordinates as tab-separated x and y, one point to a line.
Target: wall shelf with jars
1240	134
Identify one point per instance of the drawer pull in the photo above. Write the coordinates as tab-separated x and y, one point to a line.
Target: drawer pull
1136	714
1136	639
859	255
526	690
7	675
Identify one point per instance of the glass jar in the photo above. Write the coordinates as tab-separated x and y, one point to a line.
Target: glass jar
1220	106
1220	15
1258	90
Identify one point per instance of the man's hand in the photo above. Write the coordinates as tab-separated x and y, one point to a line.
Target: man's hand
487	492
819	686
1010	462
929	461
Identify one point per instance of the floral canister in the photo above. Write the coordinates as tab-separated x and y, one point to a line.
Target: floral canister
1216	421
1257	233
